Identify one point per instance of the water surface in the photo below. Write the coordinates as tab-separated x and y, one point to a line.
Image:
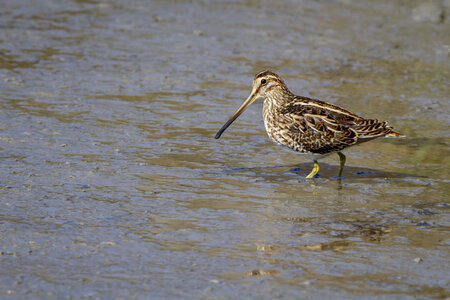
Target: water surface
112	185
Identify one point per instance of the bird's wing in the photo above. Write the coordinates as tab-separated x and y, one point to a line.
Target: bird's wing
323	121
338	126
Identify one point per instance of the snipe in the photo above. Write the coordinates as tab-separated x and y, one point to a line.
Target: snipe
313	128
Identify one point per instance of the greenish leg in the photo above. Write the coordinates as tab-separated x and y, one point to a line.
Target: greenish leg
342	157
314	171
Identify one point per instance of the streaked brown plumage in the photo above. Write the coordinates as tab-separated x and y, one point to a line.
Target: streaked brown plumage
313	128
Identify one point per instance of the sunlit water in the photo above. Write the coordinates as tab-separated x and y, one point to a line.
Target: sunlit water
111	183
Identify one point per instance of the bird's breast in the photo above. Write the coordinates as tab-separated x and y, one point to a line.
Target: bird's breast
278	126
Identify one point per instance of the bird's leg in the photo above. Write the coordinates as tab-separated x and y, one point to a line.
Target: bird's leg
314	171
342	158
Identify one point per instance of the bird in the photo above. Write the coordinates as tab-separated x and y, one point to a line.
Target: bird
311	127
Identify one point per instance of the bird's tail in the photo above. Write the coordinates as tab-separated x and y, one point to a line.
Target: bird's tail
395	134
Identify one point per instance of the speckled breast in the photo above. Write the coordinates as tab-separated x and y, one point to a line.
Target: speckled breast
279	127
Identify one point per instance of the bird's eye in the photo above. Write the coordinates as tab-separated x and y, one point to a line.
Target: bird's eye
263	81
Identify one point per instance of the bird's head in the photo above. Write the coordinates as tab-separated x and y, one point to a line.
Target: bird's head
265	84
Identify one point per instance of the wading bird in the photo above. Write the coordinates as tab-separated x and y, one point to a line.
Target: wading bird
312	127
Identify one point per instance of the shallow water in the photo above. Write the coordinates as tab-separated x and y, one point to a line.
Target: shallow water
111	183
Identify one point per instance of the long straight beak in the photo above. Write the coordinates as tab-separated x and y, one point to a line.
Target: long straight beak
244	105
